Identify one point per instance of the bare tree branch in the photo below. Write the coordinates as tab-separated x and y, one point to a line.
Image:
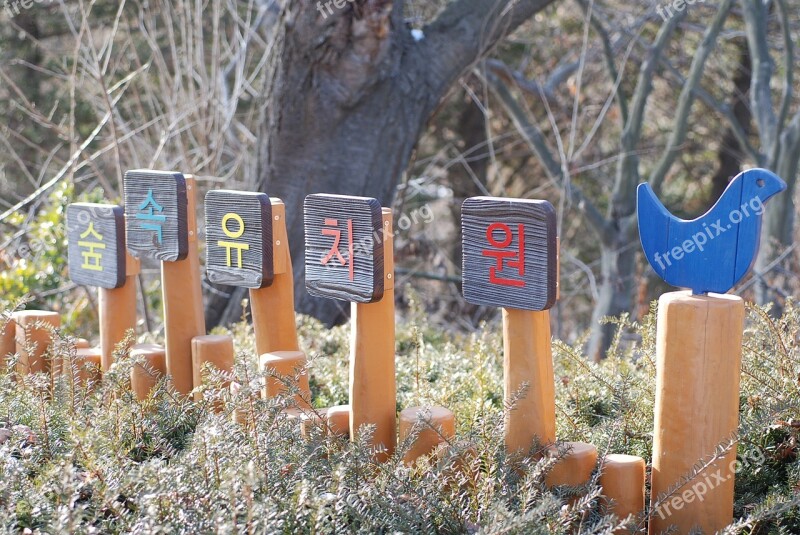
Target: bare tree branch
466	31
686	99
756	17
788	66
535	139
624	195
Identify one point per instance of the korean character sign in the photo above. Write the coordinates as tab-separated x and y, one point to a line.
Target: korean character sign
344	247
510	253
239	238
156	206
96	245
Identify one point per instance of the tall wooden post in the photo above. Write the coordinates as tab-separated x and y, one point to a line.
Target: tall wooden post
373	391
273	306
511	261
528	360
183	304
698	358
118	312
350	256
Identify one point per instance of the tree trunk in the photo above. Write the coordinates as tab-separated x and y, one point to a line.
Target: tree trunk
618	267
352	90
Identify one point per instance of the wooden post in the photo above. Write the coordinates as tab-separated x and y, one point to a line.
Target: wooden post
286	365
511	261
436	425
698	354
273	306
183	304
575	468
86	367
34	337
337	419
145	376
8	340
161	224
373	391
216	350
118	311
528	360
623	479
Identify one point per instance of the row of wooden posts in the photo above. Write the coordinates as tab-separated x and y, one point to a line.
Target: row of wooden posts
510	250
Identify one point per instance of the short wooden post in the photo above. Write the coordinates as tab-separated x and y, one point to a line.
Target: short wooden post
698	354
273	306
216	350
82	343
118	311
623	480
146	374
337	419
283	366
575	468
34	337
528	360
435	426
161	224
8	340
373	391
86	367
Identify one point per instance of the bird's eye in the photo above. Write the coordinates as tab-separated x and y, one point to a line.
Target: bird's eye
760	182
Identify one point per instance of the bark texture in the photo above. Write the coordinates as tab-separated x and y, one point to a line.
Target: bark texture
351	92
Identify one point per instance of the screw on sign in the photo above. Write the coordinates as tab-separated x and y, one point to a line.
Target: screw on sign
344	248
96	245
510	253
156	206
239	238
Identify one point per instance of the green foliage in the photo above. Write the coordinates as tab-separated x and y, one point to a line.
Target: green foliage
97	460
33	263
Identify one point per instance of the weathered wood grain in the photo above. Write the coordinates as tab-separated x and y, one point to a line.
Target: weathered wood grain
157	215
512	273
239	238
356	273
96	245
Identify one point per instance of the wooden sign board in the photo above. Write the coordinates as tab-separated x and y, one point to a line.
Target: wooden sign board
96	245
239	238
510	253
156	206
344	247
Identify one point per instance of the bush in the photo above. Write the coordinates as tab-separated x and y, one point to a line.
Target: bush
97	460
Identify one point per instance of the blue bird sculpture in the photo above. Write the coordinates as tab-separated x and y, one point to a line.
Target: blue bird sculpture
715	251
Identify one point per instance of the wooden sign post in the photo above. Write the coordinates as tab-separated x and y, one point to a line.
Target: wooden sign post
248	246
699	349
98	257
349	256
510	261
161	224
